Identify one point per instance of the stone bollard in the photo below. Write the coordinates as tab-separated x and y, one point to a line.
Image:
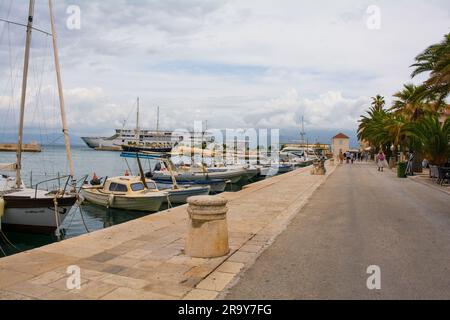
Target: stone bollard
208	229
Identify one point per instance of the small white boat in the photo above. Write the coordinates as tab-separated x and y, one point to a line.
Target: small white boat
128	193
187	174
180	193
34	211
250	170
275	169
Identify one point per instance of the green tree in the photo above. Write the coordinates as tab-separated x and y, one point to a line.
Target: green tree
372	128
412	102
435	60
433	137
378	102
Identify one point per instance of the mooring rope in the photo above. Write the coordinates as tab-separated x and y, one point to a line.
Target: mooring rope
82	219
169	204
57	232
3	252
5	238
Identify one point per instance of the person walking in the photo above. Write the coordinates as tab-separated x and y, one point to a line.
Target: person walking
409	167
381	160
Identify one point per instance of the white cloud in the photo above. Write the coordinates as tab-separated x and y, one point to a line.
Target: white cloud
234	63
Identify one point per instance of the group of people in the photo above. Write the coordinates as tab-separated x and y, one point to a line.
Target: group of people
380	159
351	157
381	162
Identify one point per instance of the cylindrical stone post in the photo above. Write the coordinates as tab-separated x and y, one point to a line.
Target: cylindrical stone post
208	229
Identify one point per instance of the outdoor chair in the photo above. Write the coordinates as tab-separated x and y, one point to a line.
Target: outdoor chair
434	172
444	175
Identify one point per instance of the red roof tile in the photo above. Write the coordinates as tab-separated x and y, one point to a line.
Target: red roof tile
340	136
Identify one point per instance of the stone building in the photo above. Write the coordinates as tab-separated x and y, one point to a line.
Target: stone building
340	143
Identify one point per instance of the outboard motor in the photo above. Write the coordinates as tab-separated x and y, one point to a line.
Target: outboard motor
96	181
157	167
149	175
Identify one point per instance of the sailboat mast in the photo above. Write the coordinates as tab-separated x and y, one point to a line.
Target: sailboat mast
24	93
60	92
157	120
303	133
138	130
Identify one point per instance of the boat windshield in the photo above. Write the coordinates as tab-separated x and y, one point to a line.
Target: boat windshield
138	186
118	187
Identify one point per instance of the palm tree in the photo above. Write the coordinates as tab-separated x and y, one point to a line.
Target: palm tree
433	136
411	101
394	124
372	128
435	60
378	102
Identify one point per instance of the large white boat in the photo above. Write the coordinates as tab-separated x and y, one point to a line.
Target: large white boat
159	141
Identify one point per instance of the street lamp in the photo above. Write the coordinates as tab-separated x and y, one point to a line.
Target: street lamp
392	159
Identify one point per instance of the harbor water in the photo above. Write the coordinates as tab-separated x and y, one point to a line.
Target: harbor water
51	163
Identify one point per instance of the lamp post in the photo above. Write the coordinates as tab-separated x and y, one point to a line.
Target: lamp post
392	159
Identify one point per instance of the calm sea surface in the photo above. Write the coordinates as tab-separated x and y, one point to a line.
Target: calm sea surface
51	162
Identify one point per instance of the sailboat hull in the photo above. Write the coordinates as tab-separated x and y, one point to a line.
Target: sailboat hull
34	215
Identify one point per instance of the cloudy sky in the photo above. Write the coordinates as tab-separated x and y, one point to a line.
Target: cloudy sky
237	64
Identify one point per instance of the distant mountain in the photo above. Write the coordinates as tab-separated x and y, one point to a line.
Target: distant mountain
286	136
313	136
43	139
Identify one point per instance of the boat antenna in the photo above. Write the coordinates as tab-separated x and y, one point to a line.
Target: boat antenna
24	93
303	133
60	93
157	120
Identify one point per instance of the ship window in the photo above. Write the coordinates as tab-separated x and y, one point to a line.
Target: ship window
118	187
137	186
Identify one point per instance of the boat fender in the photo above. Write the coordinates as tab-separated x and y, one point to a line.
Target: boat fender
2	207
110	200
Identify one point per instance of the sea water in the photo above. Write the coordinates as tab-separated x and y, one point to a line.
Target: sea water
51	163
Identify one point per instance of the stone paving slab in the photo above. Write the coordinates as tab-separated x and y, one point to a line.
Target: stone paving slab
144	258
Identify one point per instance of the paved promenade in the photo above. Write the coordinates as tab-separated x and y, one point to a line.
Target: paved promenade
359	217
144	259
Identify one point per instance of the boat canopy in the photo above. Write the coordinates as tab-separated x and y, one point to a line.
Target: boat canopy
146	155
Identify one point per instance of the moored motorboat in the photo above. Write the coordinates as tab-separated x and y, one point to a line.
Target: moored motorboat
275	169
169	176
215	185
125	192
35	211
193	174
180	193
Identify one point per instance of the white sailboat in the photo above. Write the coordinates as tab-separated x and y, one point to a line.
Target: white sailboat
33	209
